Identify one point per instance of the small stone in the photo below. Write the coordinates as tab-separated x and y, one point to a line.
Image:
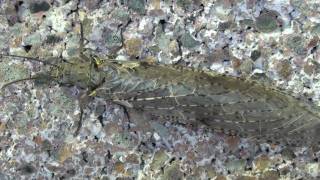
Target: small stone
236	165
72	46
27	169
112	128
157	13
113	40
120	15
210	171
87	27
189	5
105	178
221	177
159	159
53	39
70	173
313	42
92	4
4	176
9	73
267	22
287	153
88	170
16	42
161	129
65	153
233	142
174	47
36	7
188	41
284	170
224	26
261	163
124	140
309	68
284	68
218	56
119	167
246	66
236	63
151	60
155	4
33	39
100	109
146	27
251	3
207	171
2	127
313	169
163	42
11	15
296	43
137	6
46	145
246	23
133	47
154	49
133	159
165	58
244	177
172	172
255	55
184	3
38	140
124	178
306	8
316	30
270	175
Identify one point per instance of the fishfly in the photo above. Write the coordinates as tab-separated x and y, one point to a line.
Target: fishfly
155	92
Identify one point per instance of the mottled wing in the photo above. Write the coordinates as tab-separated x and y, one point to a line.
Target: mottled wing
253	112
223	103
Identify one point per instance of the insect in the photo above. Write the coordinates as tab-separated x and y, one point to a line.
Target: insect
175	93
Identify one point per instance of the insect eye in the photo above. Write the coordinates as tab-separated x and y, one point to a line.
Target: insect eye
100	61
97	60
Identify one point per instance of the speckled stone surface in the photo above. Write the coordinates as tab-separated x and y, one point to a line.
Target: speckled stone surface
271	40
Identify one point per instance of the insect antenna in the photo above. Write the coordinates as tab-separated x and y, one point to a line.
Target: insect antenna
16	81
81	39
29	59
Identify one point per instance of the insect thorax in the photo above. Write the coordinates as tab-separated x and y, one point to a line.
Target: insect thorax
80	74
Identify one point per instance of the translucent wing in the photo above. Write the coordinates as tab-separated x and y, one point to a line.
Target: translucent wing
223	103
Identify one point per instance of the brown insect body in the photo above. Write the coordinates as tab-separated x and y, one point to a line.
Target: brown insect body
233	105
189	96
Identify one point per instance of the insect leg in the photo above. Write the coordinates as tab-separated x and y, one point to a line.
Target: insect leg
126	113
16	81
76	133
83	101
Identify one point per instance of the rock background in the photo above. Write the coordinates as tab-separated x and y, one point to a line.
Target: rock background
275	41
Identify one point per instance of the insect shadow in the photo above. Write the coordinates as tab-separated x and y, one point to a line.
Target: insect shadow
149	91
